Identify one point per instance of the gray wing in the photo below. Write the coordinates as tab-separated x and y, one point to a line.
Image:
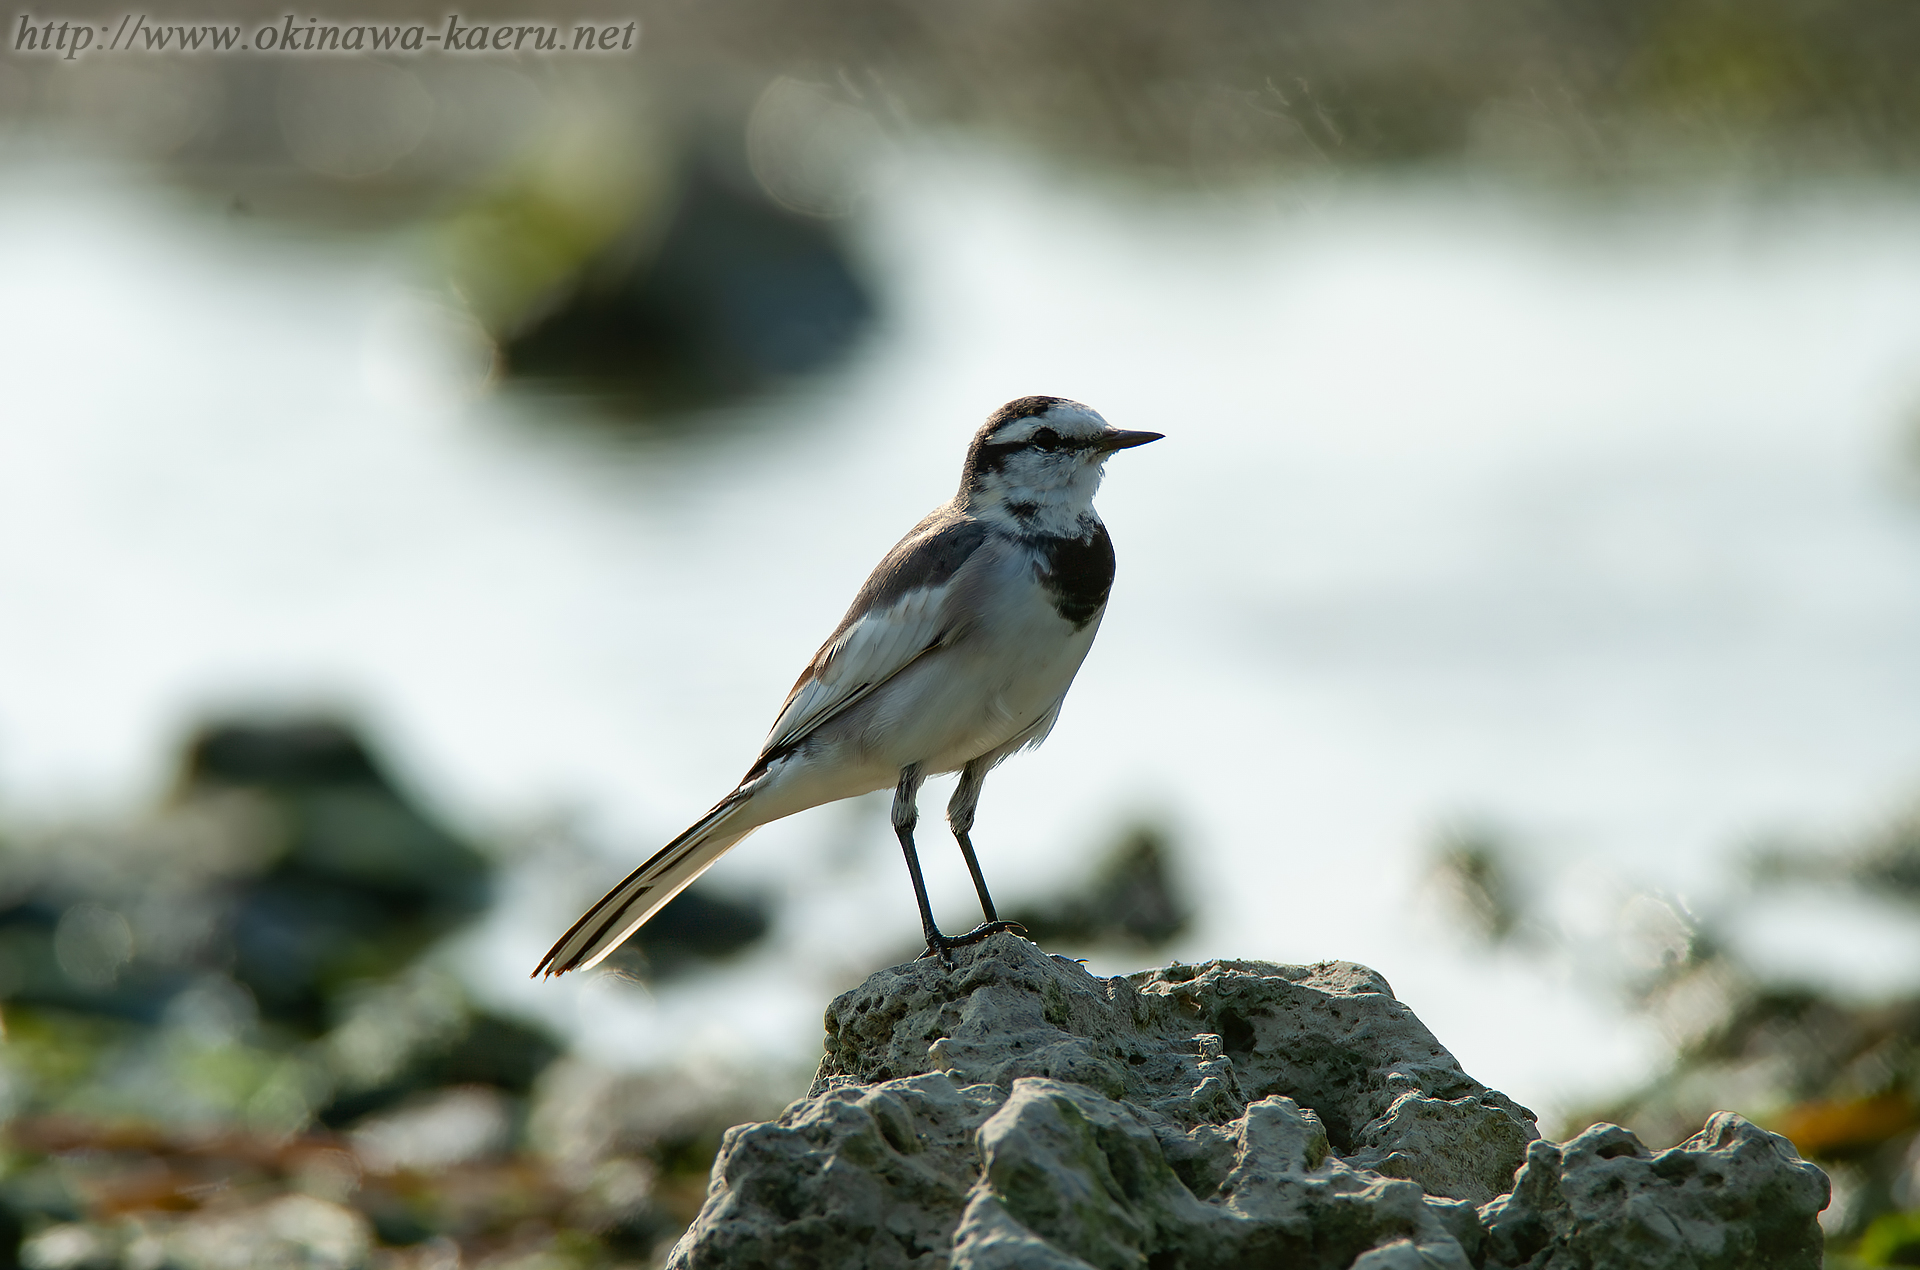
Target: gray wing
901	614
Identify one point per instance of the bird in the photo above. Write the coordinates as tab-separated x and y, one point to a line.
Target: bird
957	653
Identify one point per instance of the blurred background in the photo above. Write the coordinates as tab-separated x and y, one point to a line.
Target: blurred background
421	476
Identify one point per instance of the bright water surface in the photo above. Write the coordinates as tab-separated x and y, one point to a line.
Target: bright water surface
1477	505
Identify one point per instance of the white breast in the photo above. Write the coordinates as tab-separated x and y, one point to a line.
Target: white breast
1010	669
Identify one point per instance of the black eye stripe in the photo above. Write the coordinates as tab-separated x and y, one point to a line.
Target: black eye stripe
1045	439
991	455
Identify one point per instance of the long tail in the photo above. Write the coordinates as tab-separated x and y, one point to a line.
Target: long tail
648	889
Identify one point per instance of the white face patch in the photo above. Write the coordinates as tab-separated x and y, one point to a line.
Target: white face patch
1041	471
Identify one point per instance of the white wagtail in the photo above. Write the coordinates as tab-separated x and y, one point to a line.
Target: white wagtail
956	653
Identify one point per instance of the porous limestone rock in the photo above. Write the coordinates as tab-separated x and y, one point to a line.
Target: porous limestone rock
1732	1197
1017	1113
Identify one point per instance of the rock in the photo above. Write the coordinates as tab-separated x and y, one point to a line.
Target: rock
291	1230
1017	1113
1733	1196
286	866
361	877
1195	1045
401	1038
726	294
852	1177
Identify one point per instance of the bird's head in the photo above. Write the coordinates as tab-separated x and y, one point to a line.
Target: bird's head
1037	461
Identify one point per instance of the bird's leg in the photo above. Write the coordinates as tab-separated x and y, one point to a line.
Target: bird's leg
960	816
906	813
966	797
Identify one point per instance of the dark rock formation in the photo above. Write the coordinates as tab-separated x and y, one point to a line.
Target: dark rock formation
732	293
1017	1113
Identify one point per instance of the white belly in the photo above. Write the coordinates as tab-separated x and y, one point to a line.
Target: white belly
975	697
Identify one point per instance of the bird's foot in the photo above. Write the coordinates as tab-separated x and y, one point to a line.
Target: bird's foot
985	929
942	946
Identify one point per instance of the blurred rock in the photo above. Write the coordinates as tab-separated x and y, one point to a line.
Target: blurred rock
1889	864
291	1230
1473	871
180	1090
1884	863
250	956
443	1180
12	1231
1017	1112
287	863
447	1127
417	1032
733	293
363	878
70	1247
1131	900
60	950
654	1134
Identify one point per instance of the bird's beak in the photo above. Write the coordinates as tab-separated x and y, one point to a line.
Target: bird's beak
1115	439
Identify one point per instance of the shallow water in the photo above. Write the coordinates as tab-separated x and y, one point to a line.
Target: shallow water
1584	518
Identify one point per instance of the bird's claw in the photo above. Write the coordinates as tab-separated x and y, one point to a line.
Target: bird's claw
942	946
985	929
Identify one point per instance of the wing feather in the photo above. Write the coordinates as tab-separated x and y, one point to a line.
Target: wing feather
902	613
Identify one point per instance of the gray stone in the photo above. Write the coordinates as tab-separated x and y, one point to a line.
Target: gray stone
1087	1175
1732	1197
1017	1113
1195	1044
874	1176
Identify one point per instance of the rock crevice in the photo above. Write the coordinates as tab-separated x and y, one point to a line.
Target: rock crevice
1017	1112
